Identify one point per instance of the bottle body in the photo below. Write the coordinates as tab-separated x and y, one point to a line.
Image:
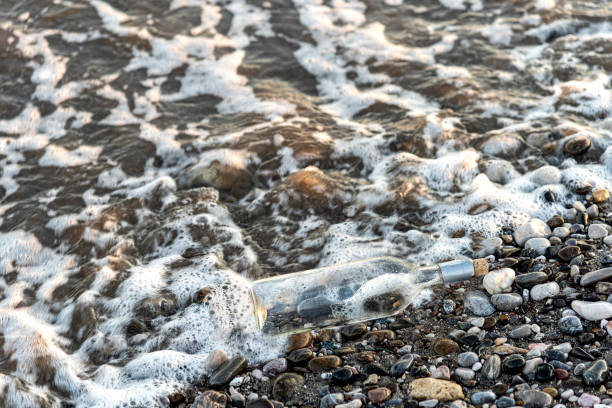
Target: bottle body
338	295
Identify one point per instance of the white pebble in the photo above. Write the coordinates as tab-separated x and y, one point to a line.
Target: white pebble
593	310
499	281
538	244
597	231
545	290
534	228
561	232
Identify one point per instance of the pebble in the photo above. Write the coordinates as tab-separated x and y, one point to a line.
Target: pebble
331	400
429	403
538	244
595	276
593	310
577	144
216	359
210	399
498	281
467	359
535	399
521	332
284	386
528	280
513	364
227	371
545	372
324	363
260	403
483	397
299	340
532	364
444	346
343	376
608	240
534	228
597	231
458	404
300	357
378	395
465	373
276	366
478	303
567	253
448	306
356	403
545	290
561	232
597	373
505	402
593	211
546	175
353	331
402	365
600	195
442	373
587	400
431	388
570	325
491	369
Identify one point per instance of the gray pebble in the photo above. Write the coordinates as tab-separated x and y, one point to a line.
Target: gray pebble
506	302
478	303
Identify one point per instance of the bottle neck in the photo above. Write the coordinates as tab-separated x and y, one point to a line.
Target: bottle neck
447	272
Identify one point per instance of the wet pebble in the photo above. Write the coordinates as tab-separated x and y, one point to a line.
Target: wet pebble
534	228
513	364
285	386
491	369
592	310
570	325
545	372
535	399
595	276
567	253
597	373
210	399
276	366
216	359
467	359
545	290
324	363
300	357
378	395
478	303
402	365
483	397
444	346
227	371
600	195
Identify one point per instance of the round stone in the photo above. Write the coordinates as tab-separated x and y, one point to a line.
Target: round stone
465	373
284	386
567	253
538	244
513	364
499	281
276	366
577	144
597	373
595	276
342	376
546	175
528	280
378	395
536	399
478	303
506	302
570	325
597	231
491	369
354	331
444	346
545	372
600	195
467	359
593	311
324	363
545	290
483	397
402	365
521	332
561	232
300	357
534	228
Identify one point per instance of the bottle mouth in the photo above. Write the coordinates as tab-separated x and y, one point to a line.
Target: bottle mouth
455	271
260	312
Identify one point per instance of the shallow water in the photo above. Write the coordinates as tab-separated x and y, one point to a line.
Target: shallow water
149	149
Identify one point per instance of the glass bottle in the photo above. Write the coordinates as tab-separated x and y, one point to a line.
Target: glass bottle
349	293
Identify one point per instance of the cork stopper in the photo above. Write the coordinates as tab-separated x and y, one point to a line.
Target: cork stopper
481	266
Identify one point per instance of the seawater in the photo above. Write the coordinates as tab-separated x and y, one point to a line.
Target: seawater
152	150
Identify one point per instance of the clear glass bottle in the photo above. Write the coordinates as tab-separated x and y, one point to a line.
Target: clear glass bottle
349	293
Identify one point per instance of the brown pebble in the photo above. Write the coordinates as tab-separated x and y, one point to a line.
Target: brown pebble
396	343
210	399
444	346
489	322
381	335
325	335
561	373
577	144
379	394
551	391
342	351
324	363
555	221
568	252
299	340
364	357
600	195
